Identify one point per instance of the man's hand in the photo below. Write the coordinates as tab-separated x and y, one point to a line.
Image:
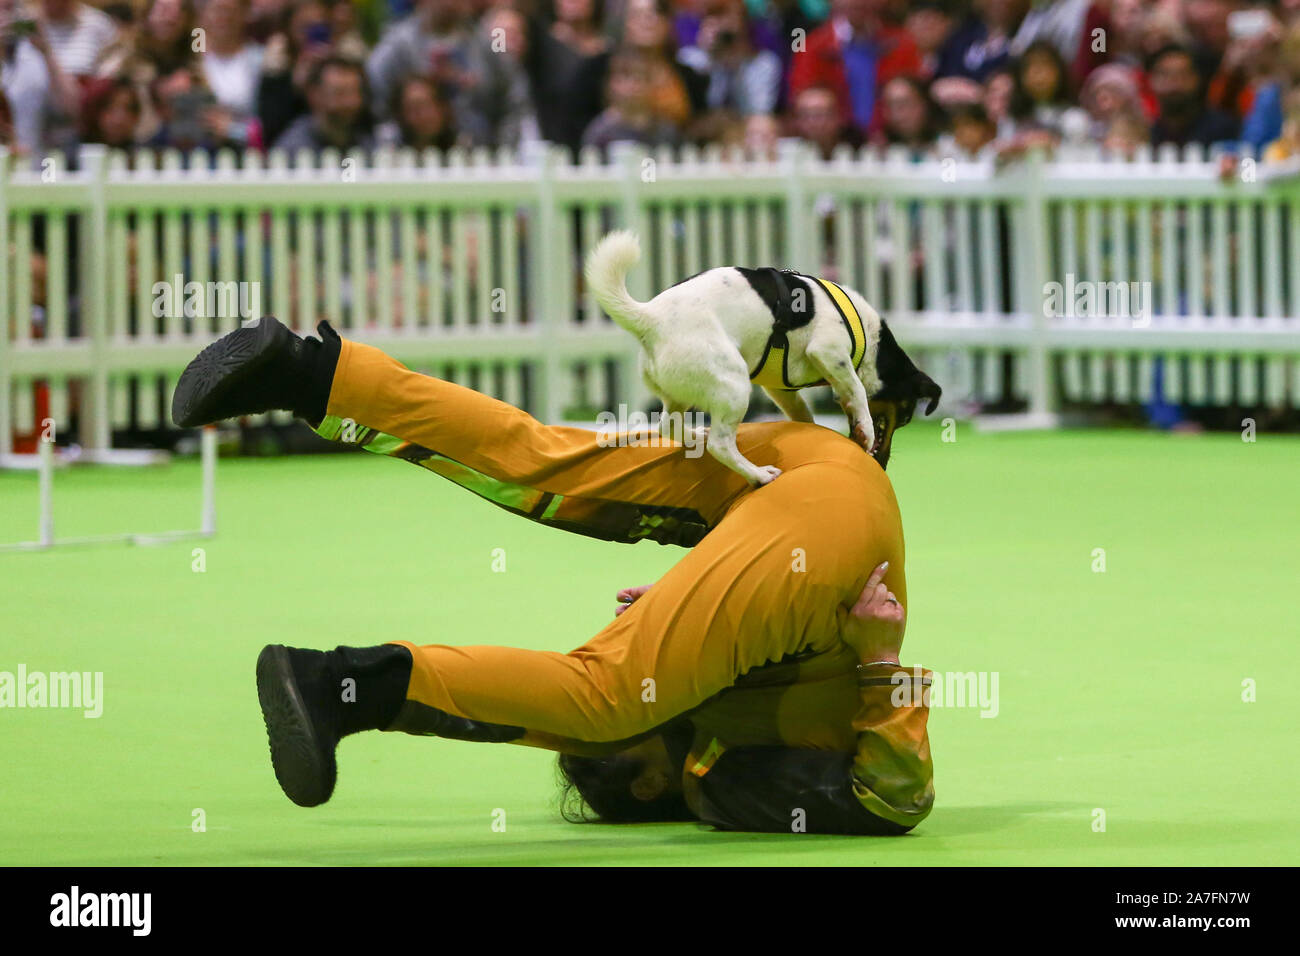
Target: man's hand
875	624
627	596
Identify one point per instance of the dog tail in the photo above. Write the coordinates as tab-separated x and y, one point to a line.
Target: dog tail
607	267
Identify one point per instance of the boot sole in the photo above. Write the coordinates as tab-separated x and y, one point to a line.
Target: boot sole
220	368
305	769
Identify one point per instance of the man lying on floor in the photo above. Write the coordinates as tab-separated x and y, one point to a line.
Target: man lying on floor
755	686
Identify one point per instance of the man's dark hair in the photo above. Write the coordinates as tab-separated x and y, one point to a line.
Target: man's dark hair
1180	50
600	788
334	61
975	112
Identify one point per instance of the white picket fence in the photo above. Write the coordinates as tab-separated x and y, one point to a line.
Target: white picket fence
469	266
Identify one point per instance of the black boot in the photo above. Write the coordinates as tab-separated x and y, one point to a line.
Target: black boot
258	368
312	699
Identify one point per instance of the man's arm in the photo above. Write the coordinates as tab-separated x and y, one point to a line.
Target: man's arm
893	775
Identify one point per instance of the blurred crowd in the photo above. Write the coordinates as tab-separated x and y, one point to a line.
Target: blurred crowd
945	77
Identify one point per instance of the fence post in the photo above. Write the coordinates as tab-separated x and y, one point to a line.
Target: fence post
546	273
6	346
630	159
96	426
1030	251
798	253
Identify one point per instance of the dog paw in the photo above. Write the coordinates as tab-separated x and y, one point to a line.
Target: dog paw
765	474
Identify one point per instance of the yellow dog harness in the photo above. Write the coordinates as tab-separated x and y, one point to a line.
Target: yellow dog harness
773	370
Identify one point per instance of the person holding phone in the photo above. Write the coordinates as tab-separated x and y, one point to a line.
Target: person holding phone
78	34
231	68
1254	76
289	57
42	96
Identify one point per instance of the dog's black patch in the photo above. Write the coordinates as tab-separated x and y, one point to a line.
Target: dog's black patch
787	296
900	379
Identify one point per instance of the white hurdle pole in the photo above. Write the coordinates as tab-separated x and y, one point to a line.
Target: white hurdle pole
45	463
208	452
45	458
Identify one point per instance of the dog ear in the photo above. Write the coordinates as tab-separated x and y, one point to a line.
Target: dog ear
926	387
899	375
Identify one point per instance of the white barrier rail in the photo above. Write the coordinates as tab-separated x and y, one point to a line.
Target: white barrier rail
469	266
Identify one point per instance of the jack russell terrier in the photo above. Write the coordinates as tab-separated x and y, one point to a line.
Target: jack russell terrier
708	338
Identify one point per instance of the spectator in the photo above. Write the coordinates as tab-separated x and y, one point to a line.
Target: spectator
1040	99
1067	25
983	42
163	43
290	56
677	91
759	32
911	118
855	54
435	39
566	61
743	81
999	88
1111	91
498	106
972	129
930	24
782	21
1160	26
158	44
1253	77
231	68
632	115
345	30
1287	146
818	120
339	116
266	18
1125	32
762	135
422	116
1183	116
111	113
42	98
1126	131
78	34
1207	23
182	102
578	26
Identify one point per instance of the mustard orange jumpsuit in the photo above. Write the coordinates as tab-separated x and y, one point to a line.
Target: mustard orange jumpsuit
768	577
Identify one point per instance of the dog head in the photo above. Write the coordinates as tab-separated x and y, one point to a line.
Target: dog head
902	385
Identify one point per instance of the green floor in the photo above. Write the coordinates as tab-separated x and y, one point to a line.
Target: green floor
1119	691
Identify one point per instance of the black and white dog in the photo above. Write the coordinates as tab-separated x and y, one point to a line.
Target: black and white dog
708	338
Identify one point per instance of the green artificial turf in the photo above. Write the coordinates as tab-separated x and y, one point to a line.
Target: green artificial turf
1119	691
